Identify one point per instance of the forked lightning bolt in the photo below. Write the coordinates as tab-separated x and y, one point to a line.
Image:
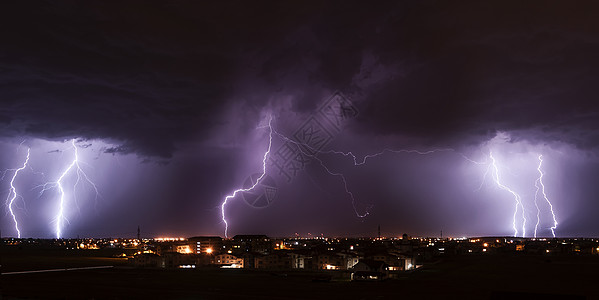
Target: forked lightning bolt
363	161
517	197
492	166
60	216
234	194
541	188
323	165
13	194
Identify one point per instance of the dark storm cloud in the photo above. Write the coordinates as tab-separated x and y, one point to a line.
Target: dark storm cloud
185	84
151	74
144	77
478	67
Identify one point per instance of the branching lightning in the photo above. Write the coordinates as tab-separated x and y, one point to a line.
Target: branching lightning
491	167
13	194
517	197
541	188
491	163
408	151
362	162
60	216
283	137
234	194
337	174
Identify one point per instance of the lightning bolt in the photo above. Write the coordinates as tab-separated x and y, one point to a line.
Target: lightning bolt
541	187
362	162
60	216
13	192
327	169
386	150
234	194
323	165
517	197
408	151
537	206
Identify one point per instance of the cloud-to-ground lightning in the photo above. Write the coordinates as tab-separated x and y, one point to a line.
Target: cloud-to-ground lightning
541	188
265	157
60	216
517	197
537	207
491	163
492	166
234	193
13	194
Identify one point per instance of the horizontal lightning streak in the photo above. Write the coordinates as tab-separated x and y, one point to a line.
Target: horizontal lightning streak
363	161
400	151
322	164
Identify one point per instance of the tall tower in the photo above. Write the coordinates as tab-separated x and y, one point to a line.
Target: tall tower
138	233
379	231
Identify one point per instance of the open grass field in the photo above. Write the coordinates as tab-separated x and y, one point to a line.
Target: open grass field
472	277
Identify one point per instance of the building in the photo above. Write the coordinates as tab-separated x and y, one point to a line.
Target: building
175	260
298	260
273	261
184	249
368	269
395	262
170	246
253	243
228	260
146	260
328	261
349	260
205	244
168	260
249	260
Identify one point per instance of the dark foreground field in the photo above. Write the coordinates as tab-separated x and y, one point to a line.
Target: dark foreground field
473	277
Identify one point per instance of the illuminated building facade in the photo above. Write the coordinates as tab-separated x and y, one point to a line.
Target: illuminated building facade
206	244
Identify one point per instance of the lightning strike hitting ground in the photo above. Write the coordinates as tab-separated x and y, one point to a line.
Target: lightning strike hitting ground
13	192
491	167
517	197
538	208
541	187
60	217
234	194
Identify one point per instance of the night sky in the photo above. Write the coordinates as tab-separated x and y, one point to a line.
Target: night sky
170	101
